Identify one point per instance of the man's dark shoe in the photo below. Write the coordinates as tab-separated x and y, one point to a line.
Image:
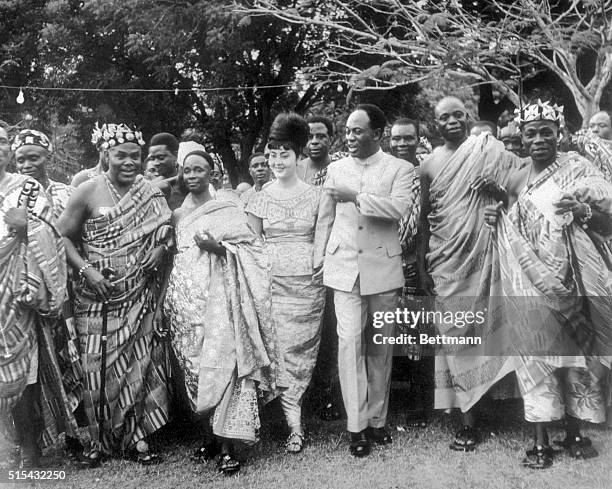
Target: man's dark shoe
360	446
380	436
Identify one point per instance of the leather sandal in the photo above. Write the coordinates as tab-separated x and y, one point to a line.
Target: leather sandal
579	447
227	464
294	443
146	458
539	457
89	459
465	440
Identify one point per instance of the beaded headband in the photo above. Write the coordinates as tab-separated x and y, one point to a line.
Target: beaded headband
110	135
31	137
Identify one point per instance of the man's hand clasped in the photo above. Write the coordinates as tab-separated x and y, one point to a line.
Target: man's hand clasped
17	220
343	194
490	186
569	203
100	285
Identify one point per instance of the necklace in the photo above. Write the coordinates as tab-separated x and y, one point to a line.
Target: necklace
112	190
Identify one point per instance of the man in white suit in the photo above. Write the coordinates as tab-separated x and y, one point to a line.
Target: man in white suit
357	243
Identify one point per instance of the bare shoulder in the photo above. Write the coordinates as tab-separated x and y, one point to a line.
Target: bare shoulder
428	162
81	177
85	192
518	179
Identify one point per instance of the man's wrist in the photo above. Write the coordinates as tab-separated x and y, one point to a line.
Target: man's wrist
83	268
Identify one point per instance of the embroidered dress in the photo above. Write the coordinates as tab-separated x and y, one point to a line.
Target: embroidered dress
297	299
136	397
219	312
32	285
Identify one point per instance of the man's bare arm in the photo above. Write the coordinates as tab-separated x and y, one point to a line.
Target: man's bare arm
70	225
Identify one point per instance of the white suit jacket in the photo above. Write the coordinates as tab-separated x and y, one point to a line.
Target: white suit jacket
362	241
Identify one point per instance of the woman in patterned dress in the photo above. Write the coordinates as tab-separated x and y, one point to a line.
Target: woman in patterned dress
217	306
284	212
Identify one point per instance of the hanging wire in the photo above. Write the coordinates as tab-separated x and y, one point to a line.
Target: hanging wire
145	90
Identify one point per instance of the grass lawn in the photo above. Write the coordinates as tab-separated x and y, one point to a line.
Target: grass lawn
418	458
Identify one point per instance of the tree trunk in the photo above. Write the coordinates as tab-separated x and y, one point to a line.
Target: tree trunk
587	107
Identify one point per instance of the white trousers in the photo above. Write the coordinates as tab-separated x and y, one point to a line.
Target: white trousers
364	367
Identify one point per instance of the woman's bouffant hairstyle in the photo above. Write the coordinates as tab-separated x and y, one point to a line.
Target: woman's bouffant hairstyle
290	131
181	179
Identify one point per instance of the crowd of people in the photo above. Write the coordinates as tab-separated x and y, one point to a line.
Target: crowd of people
144	288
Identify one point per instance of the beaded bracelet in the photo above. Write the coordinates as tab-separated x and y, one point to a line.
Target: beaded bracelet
83	268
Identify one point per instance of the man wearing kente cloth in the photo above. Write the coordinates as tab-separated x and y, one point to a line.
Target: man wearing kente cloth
121	223
417	360
32	153
548	254
456	260
32	287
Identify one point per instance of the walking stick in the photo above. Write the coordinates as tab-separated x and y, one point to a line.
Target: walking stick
106	273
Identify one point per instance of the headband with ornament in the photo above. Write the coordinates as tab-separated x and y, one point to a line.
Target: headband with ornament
540	111
31	137
110	135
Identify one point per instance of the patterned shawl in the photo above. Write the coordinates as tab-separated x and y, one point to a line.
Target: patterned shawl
59	193
598	151
32	282
219	308
559	274
462	261
136	370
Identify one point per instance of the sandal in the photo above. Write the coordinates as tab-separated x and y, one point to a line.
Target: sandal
146	458
579	447
89	459
294	443
227	464
465	440
539	457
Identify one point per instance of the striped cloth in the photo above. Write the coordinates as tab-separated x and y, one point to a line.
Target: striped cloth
136	402
32	283
598	151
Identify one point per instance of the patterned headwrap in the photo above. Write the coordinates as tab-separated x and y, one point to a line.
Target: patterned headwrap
110	135
185	148
31	137
540	111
